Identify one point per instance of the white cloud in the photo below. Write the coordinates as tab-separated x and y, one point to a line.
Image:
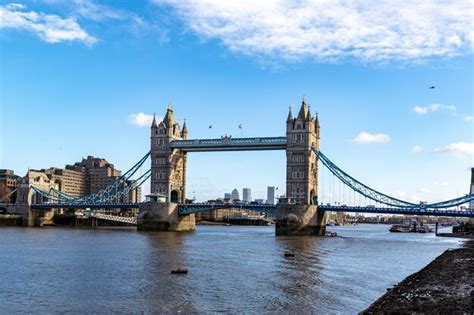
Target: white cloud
468	118
424	190
416	149
15	6
459	149
324	30
98	12
432	108
366	138
49	27
141	119
440	183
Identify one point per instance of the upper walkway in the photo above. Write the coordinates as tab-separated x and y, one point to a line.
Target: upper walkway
230	144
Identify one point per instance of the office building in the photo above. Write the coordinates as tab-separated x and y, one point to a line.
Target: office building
8	181
270	195
235	194
247	195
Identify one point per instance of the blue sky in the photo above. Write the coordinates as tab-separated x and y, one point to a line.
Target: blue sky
75	74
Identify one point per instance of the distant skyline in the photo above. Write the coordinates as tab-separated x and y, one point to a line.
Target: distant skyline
84	77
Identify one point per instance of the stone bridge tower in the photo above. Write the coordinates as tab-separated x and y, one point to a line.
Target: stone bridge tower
302	134
168	179
299	216
168	166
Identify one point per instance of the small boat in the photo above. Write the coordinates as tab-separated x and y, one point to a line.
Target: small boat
288	254
179	271
401	228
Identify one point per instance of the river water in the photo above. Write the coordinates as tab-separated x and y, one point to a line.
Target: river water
232	269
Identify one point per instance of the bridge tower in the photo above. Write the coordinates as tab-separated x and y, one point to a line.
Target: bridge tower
168	166
299	215
168	178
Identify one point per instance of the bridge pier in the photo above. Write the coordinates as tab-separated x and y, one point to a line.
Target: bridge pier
299	220
163	217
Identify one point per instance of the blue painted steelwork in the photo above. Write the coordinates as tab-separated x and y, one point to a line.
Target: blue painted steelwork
184	209
96	205
379	197
230	144
361	188
404	211
111	194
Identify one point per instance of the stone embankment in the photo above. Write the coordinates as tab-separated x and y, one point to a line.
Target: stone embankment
445	286
10	219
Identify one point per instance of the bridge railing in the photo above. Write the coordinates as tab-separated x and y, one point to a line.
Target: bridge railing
184	209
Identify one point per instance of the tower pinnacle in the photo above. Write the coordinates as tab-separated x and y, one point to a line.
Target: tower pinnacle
303	113
169	119
290	115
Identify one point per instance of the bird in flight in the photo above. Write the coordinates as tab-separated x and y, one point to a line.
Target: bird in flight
431	87
210	126
240	126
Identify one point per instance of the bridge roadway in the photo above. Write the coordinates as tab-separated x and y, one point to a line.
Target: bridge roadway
184	209
404	211
230	144
100	205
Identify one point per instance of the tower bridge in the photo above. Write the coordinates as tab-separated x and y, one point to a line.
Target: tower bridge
301	213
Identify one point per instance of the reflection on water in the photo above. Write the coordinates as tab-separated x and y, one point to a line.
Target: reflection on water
231	269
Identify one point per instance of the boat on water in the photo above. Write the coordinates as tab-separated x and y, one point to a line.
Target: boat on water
401	228
412	227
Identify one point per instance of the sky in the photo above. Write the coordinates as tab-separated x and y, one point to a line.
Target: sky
84	77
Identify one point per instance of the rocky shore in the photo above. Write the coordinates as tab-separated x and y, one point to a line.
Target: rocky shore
445	286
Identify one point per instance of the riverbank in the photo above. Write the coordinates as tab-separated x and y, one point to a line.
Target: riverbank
10	220
446	285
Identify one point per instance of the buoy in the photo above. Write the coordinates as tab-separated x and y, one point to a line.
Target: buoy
288	254
179	271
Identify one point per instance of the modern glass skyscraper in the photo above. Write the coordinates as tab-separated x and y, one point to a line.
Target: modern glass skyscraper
235	194
247	195
271	195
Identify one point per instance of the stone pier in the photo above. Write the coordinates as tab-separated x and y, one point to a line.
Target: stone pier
163	217
299	220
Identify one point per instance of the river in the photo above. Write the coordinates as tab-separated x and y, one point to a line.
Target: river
232	269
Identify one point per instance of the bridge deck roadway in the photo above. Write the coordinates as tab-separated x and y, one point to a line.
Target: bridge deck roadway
47	206
194	208
403	211
230	144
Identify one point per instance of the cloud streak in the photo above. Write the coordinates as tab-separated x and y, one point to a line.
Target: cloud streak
416	149
367	138
422	110
458	149
49	27
333	30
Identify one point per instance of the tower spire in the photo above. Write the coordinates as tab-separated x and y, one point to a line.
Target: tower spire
185	127
169	119
303	113
290	115
153	123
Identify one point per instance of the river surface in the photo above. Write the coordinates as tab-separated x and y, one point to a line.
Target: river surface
232	269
